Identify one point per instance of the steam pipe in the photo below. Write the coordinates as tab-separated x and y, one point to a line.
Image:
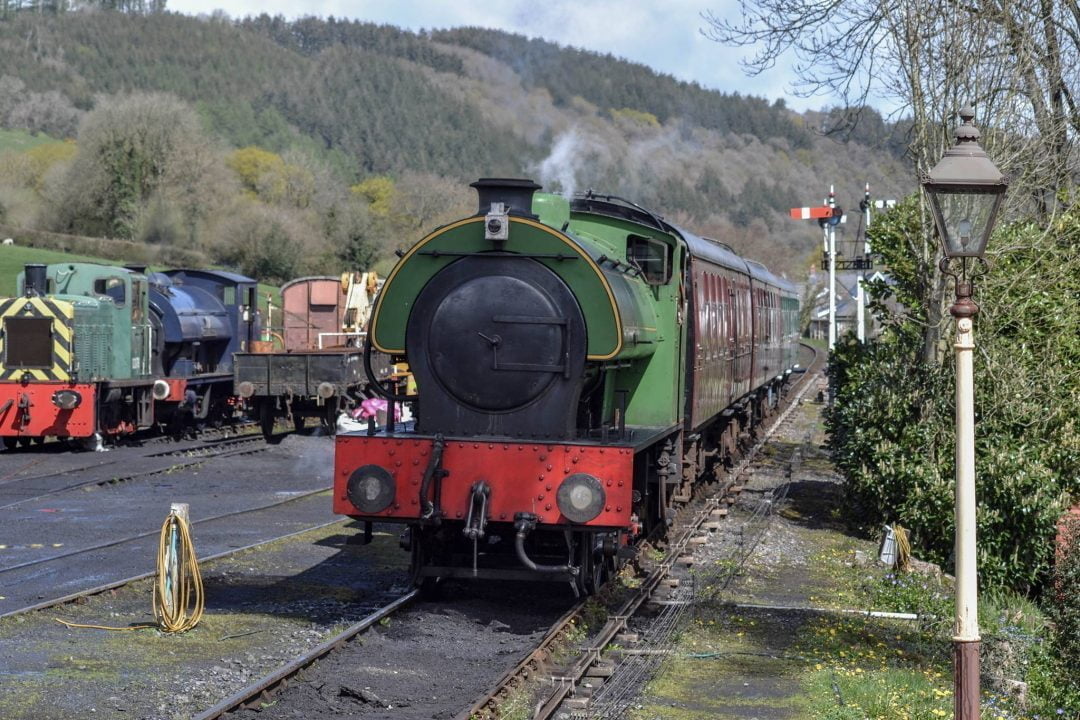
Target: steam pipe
433	470
525	523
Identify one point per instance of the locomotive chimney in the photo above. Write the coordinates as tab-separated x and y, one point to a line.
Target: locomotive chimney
35	283
515	193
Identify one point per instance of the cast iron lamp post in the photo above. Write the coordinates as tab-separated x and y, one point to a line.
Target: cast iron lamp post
965	191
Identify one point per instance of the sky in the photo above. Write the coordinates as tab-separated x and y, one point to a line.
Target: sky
663	34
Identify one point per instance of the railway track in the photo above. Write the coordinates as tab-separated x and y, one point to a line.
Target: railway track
81	595
261	690
58	539
566	688
142	438
140	536
613	691
63	460
562	684
37	487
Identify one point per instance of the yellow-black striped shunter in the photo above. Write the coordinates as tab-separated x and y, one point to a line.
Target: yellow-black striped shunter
39	393
92	350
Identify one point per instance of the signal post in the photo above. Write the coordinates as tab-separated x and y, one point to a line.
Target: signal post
828	217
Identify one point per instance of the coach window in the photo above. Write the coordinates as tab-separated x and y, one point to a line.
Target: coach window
651	256
113	287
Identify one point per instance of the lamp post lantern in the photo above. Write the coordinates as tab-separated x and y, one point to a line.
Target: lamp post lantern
965	190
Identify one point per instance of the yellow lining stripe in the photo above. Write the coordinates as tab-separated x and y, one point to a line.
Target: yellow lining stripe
62	354
41	307
532	223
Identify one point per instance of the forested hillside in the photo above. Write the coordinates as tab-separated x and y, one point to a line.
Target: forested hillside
606	82
290	147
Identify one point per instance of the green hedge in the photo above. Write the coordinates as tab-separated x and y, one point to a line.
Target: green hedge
892	425
105	248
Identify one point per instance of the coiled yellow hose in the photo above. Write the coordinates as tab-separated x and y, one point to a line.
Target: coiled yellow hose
178	601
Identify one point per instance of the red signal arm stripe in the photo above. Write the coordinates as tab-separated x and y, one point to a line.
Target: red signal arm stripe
810	213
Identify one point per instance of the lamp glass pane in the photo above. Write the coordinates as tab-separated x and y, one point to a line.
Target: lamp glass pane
966	217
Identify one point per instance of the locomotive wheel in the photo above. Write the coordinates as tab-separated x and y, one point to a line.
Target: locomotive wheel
593	570
10	443
596	577
266	419
430	589
330	416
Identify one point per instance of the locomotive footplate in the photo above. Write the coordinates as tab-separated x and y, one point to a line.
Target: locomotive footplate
569	485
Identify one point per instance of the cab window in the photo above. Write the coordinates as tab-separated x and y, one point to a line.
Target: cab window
113	287
651	256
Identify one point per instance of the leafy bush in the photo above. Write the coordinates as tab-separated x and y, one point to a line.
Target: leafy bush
1015	636
130	151
264	242
892	425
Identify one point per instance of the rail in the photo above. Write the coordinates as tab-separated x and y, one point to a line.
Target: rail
81	595
259	690
570	678
229	447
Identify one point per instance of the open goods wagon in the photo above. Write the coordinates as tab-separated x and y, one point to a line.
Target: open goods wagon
318	372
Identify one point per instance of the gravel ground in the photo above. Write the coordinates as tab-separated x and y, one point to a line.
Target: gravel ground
264	607
749	670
